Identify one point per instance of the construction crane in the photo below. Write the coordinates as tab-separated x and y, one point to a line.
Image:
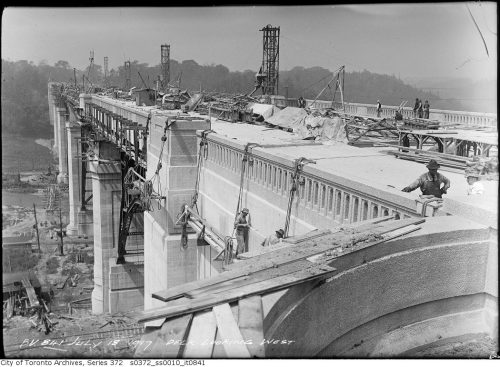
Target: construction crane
270	59
268	76
165	67
128	83
106	71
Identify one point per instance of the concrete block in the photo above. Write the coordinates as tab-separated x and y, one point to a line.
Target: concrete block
125	276
85	223
182	177
126	300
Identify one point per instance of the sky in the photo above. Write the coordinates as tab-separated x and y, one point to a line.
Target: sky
405	40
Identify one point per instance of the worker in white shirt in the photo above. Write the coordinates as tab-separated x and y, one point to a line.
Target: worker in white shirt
274	238
475	187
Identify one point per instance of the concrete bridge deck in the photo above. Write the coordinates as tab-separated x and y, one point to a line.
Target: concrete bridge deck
369	165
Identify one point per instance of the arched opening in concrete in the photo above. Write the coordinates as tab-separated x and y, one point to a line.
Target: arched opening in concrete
381	303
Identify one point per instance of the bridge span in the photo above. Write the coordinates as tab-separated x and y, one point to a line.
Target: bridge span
131	169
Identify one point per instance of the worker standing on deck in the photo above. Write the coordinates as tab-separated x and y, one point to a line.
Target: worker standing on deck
427	107
241	224
420	109
379	108
415	108
430	182
301	102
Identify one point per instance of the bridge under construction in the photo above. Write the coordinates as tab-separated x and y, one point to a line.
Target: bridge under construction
158	177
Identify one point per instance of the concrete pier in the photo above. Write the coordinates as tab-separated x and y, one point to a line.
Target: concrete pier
61	117
170	263
106	187
74	175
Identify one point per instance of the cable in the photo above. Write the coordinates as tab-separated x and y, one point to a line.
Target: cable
474	20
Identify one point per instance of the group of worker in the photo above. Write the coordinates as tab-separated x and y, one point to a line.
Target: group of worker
436	184
242	225
421	110
431	183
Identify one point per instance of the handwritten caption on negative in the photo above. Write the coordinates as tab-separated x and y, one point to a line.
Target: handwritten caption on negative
139	345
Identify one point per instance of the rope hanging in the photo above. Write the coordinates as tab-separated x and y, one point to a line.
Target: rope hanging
202	154
299	166
156	177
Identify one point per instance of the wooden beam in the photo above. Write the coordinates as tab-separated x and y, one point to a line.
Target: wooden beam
171	338
267	286
252	278
143	349
30	291
201	336
289	254
219	351
251	323
234	344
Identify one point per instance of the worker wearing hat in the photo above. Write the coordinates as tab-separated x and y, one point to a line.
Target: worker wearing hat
430	182
274	238
241	224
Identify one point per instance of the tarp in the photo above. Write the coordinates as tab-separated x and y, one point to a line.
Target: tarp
265	110
193	102
289	117
297	119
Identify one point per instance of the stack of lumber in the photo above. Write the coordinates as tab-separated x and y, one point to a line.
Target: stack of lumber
424	156
234	296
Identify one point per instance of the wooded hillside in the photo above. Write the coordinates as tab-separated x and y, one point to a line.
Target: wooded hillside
24	87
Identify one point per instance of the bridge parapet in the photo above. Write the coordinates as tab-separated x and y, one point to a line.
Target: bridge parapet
477	119
323	200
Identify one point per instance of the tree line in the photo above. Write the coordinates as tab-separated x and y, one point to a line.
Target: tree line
25	103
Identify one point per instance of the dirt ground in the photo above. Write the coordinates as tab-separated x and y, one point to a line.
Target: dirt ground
76	332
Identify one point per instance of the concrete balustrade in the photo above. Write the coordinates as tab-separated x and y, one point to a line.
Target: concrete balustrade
319	202
465	118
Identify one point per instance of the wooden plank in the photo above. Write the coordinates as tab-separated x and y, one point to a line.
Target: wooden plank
251	323
289	254
30	291
179	291
143	349
308	236
253	278
270	285
347	237
219	351
171	338
327	257
234	344
201	335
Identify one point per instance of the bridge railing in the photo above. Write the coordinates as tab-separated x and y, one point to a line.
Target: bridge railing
324	200
472	119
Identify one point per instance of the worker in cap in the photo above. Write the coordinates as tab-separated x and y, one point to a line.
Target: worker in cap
242	225
274	238
379	108
475	187
430	182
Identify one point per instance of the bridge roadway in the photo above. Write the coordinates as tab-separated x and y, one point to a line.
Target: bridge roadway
346	185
